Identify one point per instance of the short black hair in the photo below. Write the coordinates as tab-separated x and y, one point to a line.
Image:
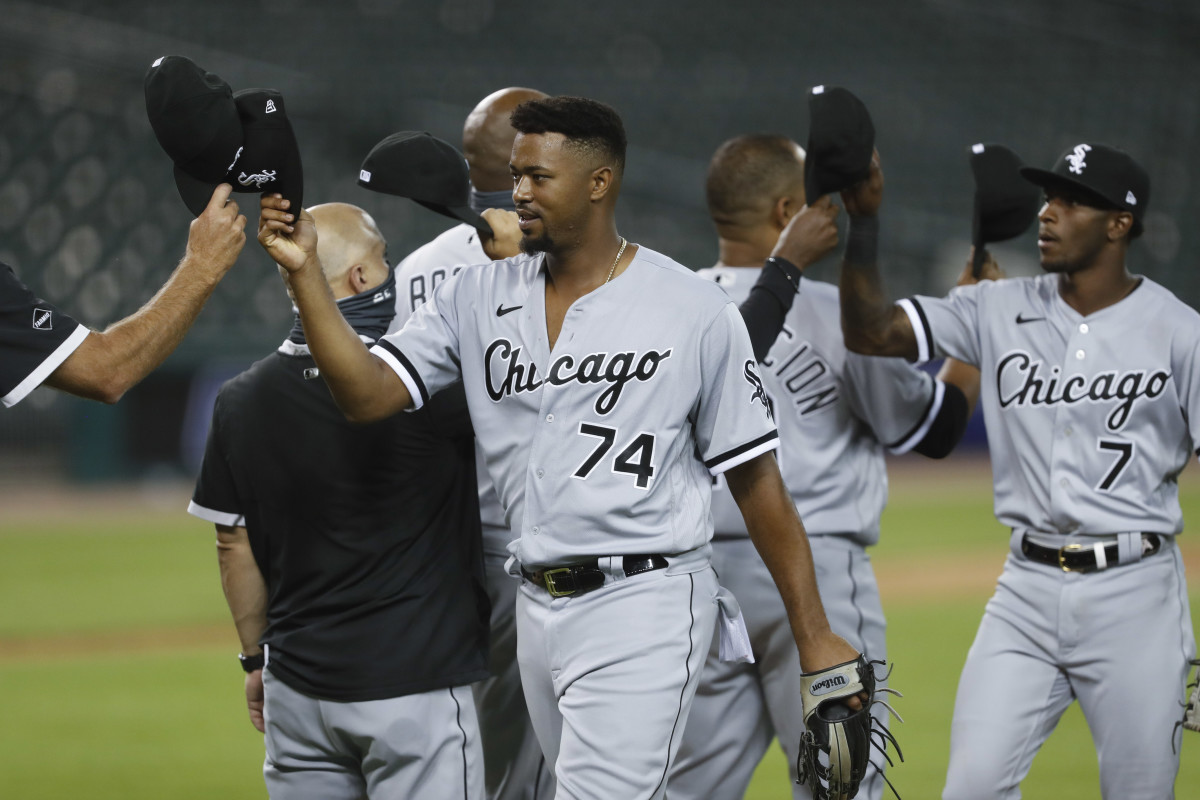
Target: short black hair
748	174
589	124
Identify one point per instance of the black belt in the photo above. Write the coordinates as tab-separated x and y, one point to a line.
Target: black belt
580	578
1082	557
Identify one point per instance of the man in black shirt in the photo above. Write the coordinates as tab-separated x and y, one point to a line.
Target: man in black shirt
40	344
351	560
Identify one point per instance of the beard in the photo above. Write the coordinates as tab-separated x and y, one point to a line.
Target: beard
532	245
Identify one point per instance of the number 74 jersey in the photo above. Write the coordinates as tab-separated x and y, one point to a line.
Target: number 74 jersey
607	443
1090	419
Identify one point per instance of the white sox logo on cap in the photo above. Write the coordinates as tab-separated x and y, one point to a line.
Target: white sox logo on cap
1076	158
258	179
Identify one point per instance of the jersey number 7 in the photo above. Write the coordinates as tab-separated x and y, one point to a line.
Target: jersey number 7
1126	453
636	459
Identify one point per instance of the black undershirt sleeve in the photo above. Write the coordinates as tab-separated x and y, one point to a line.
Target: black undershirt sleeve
948	426
768	303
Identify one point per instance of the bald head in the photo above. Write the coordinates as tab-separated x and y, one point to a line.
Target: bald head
488	137
749	175
351	248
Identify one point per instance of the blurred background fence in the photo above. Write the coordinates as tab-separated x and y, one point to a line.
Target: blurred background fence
89	216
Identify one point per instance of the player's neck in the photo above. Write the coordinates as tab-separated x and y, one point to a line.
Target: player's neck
1096	287
746	248
574	271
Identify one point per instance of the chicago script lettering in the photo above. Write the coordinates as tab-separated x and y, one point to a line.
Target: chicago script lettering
1021	381
508	375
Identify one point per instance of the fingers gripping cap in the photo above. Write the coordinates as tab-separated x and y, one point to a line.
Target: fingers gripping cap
841	141
424	168
1106	173
1005	203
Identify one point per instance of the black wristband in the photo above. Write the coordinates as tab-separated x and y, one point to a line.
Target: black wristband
862	240
789	271
252	663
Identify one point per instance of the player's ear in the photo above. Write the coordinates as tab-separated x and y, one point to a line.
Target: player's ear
602	181
785	208
1119	223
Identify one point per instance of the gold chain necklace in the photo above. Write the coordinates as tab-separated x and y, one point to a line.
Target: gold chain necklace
620	253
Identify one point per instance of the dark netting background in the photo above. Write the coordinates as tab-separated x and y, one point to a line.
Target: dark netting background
89	216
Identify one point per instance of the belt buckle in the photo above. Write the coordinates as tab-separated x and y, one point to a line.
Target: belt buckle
549	577
1062	551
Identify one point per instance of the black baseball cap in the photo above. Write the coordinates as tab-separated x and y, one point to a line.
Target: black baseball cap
1005	203
215	135
1107	174
422	167
841	141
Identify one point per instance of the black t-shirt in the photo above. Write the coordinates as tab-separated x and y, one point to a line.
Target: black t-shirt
368	535
35	337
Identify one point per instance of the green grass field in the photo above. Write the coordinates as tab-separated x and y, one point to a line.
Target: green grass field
119	680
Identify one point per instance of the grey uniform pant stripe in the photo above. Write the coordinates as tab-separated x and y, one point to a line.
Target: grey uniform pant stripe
687	665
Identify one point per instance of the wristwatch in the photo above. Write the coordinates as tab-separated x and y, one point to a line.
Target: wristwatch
252	663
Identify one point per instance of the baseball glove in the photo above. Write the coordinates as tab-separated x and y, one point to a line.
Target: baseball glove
836	747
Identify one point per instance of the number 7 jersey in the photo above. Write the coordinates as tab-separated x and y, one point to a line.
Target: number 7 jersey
607	444
1090	419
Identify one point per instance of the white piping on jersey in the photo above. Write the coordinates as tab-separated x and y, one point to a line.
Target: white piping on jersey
918	326
232	519
911	441
51	363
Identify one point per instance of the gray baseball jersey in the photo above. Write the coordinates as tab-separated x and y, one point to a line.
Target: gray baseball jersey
605	445
837	412
416	277
1090	419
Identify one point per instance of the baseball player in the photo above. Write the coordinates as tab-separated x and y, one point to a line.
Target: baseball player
40	344
606	384
837	413
514	766
1091	394
350	559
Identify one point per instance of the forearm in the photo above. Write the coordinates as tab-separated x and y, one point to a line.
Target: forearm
108	364
768	304
871	323
364	387
243	585
779	536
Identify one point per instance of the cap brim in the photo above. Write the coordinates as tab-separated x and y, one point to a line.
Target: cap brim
461	213
195	192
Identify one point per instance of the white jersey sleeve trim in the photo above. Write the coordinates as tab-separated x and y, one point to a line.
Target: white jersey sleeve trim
920	329
52	362
740	455
401	366
216	517
918	433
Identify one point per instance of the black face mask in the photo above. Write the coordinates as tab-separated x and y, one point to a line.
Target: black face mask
369	312
480	201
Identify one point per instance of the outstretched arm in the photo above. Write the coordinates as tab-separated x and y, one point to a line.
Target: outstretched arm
778	535
364	387
871	323
106	365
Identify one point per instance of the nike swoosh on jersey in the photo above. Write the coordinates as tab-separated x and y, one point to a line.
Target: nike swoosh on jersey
501	310
1022	320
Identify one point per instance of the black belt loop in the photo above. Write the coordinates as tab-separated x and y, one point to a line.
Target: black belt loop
1081	557
579	578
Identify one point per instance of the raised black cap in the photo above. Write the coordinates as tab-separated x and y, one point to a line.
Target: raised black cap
841	141
422	167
